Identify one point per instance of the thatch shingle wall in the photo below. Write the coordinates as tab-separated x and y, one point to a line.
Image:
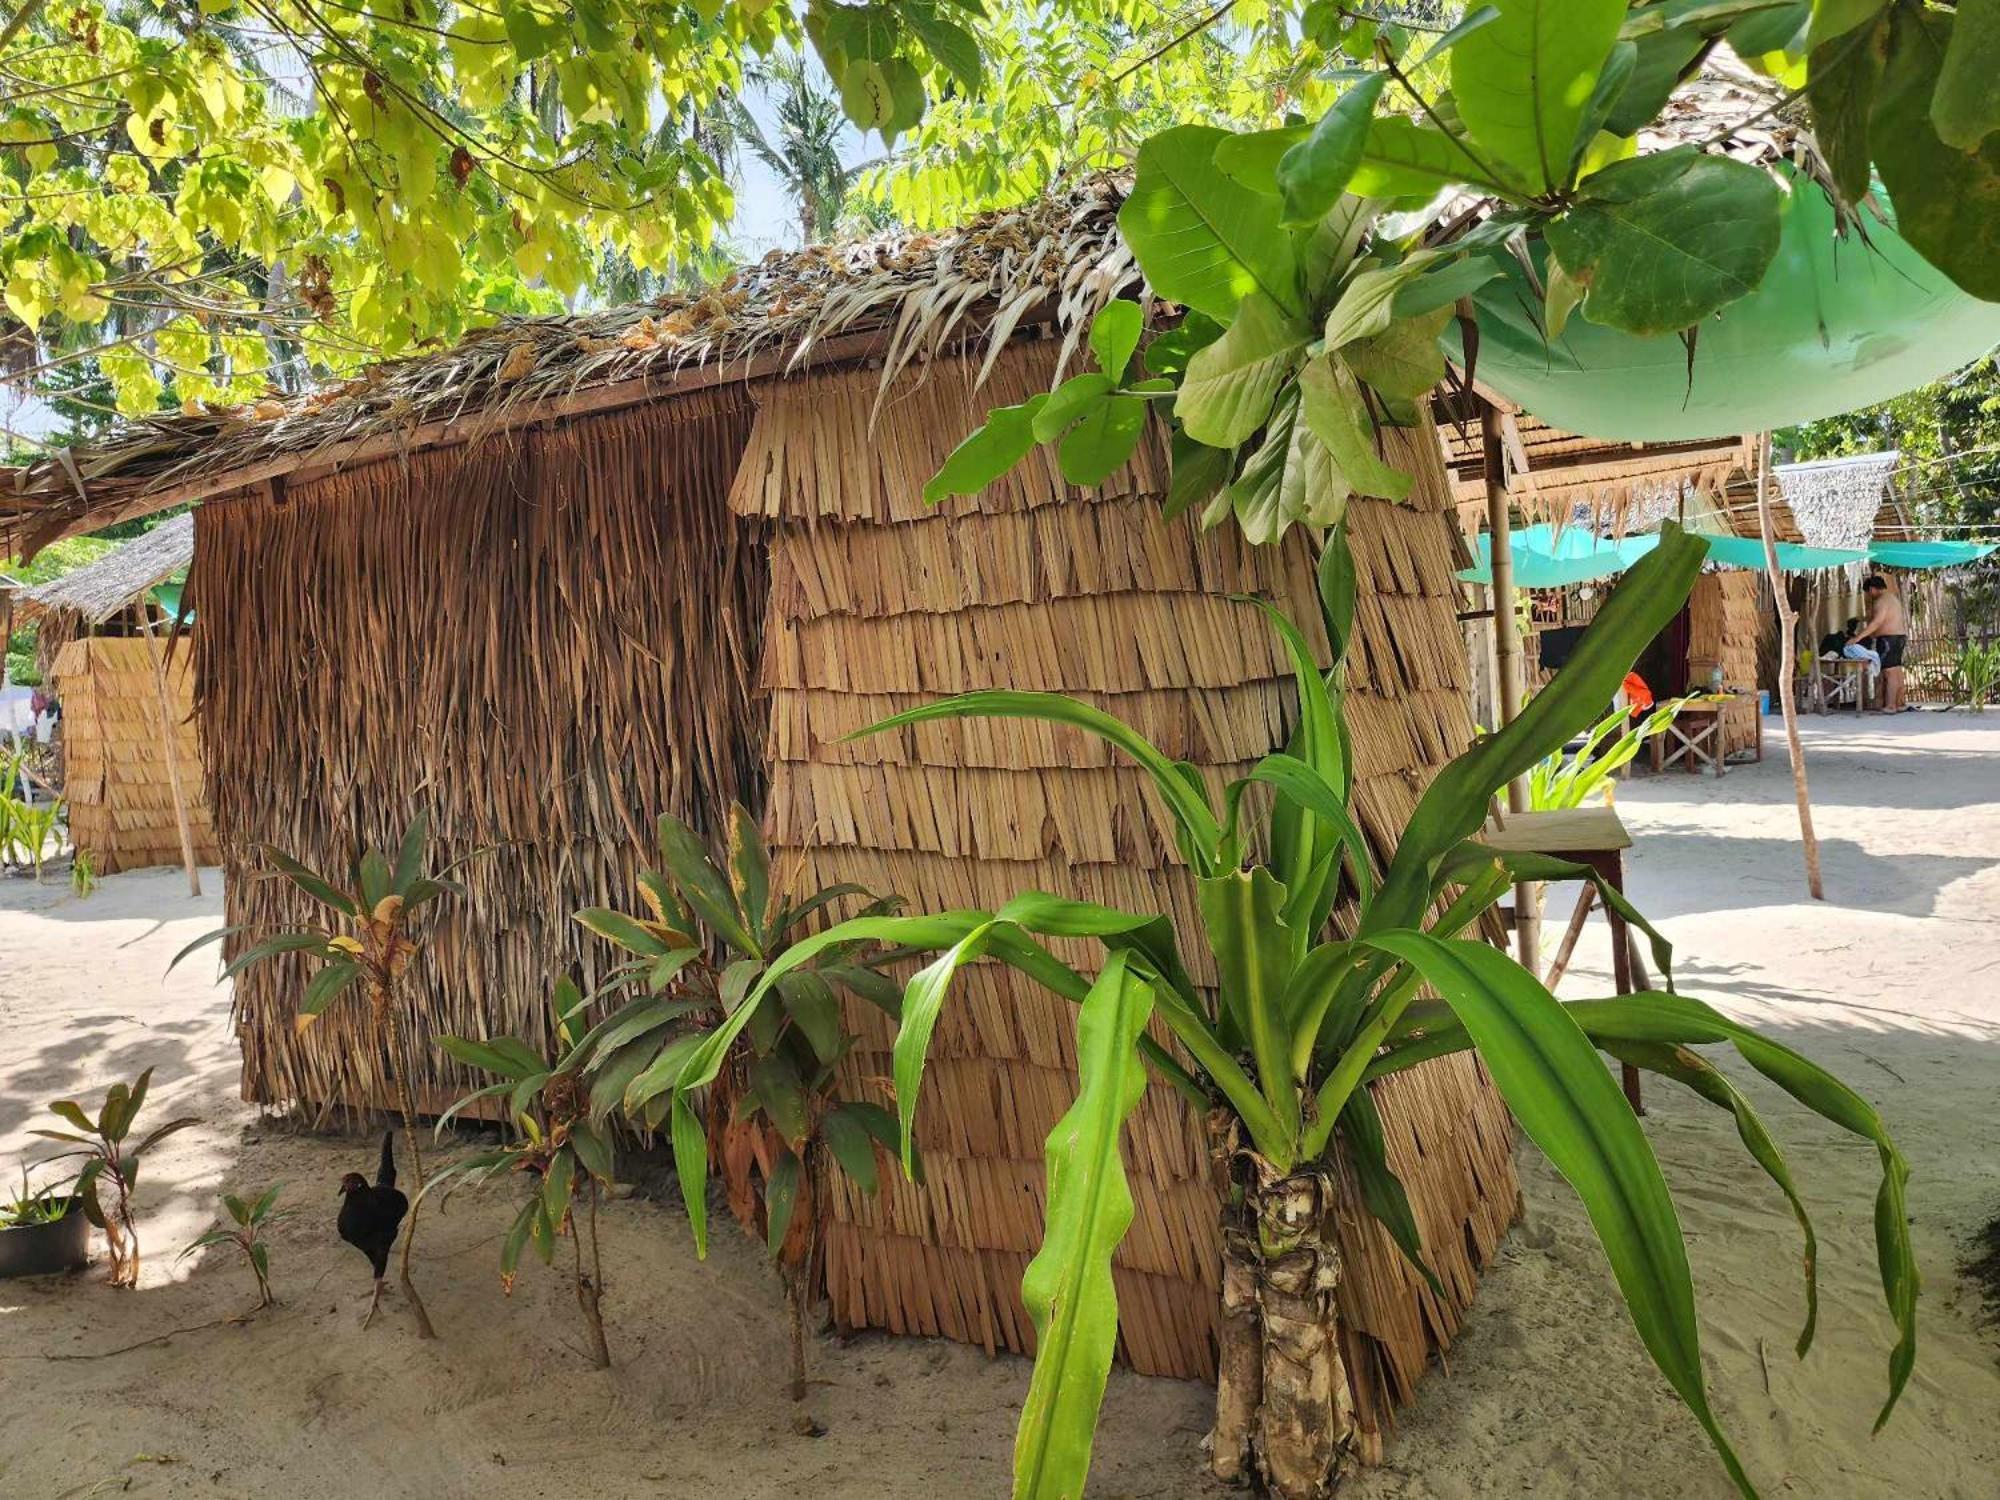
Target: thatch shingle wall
543	642
879	601
121	803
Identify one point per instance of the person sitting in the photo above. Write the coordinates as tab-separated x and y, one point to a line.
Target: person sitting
1854	650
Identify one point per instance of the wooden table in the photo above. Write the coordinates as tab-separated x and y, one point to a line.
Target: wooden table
1592	836
1698	735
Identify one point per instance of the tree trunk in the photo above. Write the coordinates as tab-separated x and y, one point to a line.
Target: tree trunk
1284	1418
797	1306
588	1289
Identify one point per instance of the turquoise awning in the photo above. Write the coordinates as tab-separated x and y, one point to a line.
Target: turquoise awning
1543	560
1928	554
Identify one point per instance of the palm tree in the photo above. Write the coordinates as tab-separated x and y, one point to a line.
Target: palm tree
804	150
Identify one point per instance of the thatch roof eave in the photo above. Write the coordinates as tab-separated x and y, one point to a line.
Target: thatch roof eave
117	580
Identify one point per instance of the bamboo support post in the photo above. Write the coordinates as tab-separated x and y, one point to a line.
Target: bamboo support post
169	734
1575	930
1507	656
1788	620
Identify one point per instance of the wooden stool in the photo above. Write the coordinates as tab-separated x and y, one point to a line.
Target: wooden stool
1592	836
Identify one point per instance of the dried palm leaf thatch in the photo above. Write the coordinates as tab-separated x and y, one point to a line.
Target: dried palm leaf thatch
543	643
905	296
1725	629
115	774
878	601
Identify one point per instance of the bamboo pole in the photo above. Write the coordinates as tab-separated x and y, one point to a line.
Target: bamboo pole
1788	620
169	736
1507	656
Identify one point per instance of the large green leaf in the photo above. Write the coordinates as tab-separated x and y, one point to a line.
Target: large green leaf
712	895
1068	1287
1404	159
1314	173
1204	240
1227	391
690	1144
1947	201
1664	240
310	881
1243	912
1102	440
1189	805
1523	83
994	447
1454	806
1382	1192
923	1002
1114	334
327	986
1697	1074
1289	478
1567	1103
1330	404
1675	1019
1404	361
1965	108
1845	74
284	942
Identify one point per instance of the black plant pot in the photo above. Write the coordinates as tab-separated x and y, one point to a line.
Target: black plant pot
46	1249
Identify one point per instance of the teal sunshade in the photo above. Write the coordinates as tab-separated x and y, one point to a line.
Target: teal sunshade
1545	560
1836	325
1748	552
1928	554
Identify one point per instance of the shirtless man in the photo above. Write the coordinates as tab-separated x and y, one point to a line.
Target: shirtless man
1888	631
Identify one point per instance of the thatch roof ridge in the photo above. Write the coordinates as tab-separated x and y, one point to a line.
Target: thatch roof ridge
121	577
1055	260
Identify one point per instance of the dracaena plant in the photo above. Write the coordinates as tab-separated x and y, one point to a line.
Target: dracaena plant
560	1146
1566	778
248	1219
370	939
111	1161
1277	1054
697	958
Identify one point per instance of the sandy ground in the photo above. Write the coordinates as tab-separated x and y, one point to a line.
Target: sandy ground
1891	982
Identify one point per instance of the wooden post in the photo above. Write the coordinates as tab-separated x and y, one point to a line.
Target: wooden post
1507	655
1788	620
169	737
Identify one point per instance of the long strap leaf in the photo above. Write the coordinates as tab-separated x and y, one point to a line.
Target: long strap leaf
1675	1019
1451	811
1550	1075
1068	1287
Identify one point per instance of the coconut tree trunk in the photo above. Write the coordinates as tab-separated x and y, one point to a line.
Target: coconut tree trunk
1284	1418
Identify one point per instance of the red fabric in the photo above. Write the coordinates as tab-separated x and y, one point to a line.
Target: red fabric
1638	697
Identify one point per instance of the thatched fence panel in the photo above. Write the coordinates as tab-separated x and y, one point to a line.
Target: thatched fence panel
115	774
541	642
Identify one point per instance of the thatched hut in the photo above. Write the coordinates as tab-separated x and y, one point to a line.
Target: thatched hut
1561	479
582	570
131	754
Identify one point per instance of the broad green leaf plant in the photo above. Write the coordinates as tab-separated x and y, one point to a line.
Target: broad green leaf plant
566	1154
696	961
1570	778
1316	264
248	1219
1277	1052
369	940
111	1161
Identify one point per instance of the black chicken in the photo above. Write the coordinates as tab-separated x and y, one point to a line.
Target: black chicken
370	1217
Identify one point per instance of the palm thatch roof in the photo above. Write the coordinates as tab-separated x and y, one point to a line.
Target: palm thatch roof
900	299
117	580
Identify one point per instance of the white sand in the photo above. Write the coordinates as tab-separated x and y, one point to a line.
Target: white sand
1892	982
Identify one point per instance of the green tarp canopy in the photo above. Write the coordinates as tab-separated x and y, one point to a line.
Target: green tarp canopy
1838	323
1545	560
1928	554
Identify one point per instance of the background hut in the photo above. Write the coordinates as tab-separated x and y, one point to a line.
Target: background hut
582	570
131	754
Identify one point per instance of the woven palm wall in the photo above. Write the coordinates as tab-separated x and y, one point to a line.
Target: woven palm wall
542	642
121	802
878	602
1725	628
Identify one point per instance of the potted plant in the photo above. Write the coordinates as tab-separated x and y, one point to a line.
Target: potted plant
43	1231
